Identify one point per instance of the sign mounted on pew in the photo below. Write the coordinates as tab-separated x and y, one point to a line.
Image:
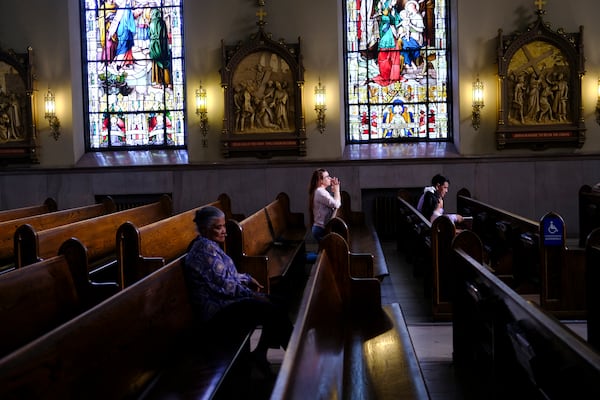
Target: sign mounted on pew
553	228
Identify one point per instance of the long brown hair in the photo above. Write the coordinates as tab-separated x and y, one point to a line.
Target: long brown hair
316	177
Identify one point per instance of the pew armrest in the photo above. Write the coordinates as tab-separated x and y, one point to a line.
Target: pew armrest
361	265
257	267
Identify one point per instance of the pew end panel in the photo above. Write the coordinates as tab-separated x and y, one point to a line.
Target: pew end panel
443	233
589	212
592	277
361	294
224	203
563	287
25	246
90	293
362	239
294	220
347	214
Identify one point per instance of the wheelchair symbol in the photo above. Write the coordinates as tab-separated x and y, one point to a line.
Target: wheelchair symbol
552	229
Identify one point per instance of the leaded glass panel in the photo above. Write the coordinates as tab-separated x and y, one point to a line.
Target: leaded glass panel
397	71
135	73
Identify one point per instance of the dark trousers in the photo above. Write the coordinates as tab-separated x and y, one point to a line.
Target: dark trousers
238	318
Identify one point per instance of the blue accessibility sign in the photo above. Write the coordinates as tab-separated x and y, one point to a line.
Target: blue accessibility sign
553	231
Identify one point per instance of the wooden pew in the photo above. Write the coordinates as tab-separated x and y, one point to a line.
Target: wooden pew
589	212
39	298
508	346
430	244
48	206
414	237
142	250
511	242
46	221
97	234
516	250
345	344
125	347
269	244
360	234
592	277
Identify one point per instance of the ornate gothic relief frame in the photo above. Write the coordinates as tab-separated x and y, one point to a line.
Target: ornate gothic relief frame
540	74
17	129
262	84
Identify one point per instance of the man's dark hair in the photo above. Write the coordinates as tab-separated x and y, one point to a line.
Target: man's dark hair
439	180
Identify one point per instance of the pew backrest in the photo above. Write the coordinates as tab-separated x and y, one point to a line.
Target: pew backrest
50	220
589	212
592	277
526	340
268	243
141	250
97	234
112	350
47	293
15	213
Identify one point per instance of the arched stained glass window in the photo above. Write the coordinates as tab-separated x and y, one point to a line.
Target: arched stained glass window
134	67
397	70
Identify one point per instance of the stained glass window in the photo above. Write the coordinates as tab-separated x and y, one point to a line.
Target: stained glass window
134	65
397	71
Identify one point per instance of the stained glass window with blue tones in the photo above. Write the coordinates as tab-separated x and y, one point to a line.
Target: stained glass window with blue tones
134	65
397	69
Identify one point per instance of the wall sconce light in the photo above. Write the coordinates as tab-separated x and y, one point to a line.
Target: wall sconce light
598	103
201	110
320	106
477	103
50	114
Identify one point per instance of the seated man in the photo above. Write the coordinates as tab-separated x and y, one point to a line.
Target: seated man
431	203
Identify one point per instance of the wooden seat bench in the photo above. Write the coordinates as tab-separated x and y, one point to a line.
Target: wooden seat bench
508	346
360	234
516	249
414	236
588	212
39	298
428	245
97	234
46	221
142	250
592	277
345	344
269	244
49	205
124	348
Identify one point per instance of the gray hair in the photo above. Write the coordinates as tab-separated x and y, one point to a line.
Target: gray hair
205	216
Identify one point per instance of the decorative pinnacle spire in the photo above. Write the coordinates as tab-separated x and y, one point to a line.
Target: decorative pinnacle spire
261	13
540	6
